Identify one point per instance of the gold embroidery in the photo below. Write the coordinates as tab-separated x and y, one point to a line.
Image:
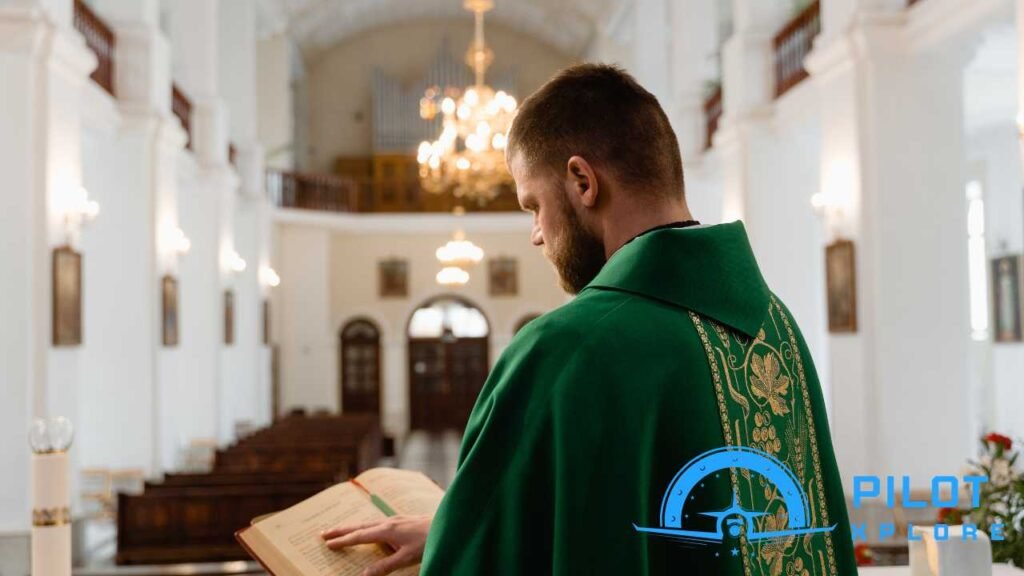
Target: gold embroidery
813	433
46	517
716	378
764	377
766	382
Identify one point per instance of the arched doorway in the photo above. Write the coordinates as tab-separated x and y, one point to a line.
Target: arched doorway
448	362
360	367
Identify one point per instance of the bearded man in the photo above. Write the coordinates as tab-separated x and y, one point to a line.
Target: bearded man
674	348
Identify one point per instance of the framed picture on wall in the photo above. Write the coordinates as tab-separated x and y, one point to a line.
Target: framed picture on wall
393	278
229	317
1007	305
503	274
169	298
841	285
67	297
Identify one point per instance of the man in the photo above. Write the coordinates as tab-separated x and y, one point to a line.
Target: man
674	347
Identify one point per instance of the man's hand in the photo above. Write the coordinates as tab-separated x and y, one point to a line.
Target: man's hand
406	535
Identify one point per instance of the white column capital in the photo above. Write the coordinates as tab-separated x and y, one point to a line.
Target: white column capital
210	131
251	170
143	66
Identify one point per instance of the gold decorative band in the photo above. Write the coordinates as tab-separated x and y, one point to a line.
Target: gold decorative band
51	516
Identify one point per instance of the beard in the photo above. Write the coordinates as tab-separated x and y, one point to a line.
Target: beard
578	255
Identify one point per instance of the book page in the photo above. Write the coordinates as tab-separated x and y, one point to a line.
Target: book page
295	533
407	491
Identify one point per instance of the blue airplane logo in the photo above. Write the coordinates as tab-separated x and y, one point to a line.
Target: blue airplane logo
734	520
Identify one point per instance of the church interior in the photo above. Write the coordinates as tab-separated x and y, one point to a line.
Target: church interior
244	257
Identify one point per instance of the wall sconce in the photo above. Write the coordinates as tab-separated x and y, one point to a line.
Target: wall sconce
269	277
175	239
236	263
81	210
837	201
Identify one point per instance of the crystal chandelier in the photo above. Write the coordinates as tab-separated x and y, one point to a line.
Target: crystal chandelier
468	158
456	257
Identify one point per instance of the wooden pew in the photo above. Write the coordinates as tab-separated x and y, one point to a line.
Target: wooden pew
193	517
196	524
240	479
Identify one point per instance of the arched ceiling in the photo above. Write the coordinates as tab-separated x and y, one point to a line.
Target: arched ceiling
315	25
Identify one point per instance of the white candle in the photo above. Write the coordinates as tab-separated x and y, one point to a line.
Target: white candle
51	515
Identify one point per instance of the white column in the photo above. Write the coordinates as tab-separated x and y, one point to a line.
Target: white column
207	206
748	82
900	383
693	42
131	380
44	65
652	48
238	52
1020	74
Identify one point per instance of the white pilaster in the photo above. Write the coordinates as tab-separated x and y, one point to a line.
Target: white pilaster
748	82
652	47
693	42
901	382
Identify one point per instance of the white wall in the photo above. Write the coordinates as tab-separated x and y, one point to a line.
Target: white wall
328	266
994	152
302	313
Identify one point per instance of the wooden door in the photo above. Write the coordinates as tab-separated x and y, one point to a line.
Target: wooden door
360	368
445	377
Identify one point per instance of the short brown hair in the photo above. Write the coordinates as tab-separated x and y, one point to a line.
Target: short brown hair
601	113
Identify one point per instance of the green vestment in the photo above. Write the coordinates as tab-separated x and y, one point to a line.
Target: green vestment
677	348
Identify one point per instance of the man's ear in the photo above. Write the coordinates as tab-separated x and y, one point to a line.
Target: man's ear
582	180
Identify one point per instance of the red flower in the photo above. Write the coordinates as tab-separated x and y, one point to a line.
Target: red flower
948	516
862	552
1003	441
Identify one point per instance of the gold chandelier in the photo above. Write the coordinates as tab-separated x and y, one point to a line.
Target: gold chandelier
468	157
456	257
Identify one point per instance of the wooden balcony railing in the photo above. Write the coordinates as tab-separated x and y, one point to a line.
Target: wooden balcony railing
792	44
181	106
312	191
712	114
101	40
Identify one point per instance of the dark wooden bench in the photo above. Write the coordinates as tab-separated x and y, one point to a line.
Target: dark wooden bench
193	517
196	524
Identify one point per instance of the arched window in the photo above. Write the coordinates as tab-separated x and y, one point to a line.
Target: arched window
360	367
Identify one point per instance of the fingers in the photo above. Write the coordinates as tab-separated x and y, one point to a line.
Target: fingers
393	562
373	534
338	531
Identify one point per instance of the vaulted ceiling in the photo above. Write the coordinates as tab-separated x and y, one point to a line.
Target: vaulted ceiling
314	25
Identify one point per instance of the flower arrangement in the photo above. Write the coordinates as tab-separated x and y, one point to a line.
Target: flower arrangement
1001	500
862	552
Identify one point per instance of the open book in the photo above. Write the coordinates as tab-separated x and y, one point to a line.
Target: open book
288	543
